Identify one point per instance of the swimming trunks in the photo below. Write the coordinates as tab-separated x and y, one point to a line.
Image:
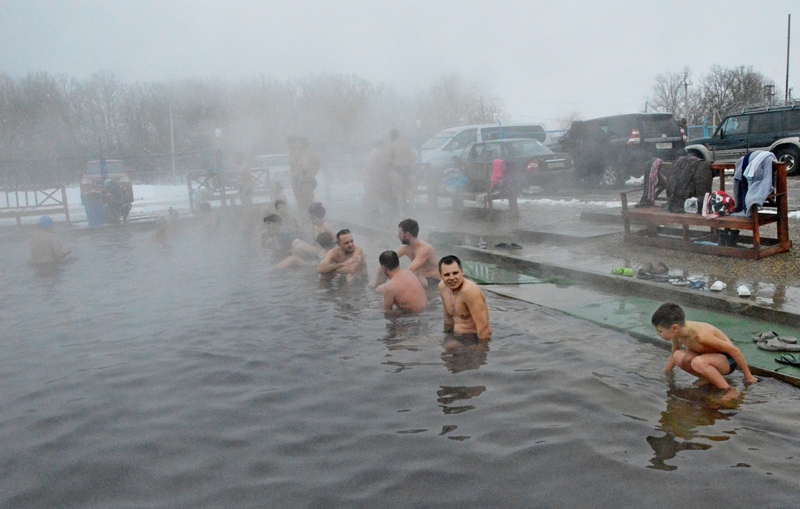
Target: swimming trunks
731	363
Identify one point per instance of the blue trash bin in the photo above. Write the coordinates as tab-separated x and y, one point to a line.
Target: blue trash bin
95	214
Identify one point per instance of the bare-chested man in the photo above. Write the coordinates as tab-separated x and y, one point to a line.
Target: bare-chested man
465	310
403	288
421	254
345	258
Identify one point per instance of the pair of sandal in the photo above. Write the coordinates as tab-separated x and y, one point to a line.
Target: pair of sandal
789	360
660	269
774	342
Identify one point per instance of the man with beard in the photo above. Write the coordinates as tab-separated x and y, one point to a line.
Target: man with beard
465	311
421	254
345	258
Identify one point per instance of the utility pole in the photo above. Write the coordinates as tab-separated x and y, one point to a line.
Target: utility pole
686	84
788	38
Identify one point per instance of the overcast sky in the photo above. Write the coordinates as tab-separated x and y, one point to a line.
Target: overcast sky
544	59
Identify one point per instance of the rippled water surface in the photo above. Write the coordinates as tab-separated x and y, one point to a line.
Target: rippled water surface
139	376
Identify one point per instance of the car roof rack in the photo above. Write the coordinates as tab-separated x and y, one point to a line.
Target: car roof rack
772	107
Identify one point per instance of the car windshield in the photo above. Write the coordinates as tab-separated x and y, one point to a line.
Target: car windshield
528	148
112	167
439	139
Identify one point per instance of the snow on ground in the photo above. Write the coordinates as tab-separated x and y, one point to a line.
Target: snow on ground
152	200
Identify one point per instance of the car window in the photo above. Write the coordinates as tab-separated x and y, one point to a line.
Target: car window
766	122
439	139
491	133
735	125
528	148
792	120
535	132
656	126
489	152
620	126
463	139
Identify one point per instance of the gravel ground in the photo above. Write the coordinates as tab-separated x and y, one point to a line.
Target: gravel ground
783	268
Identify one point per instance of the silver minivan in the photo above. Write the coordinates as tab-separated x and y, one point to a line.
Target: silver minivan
441	148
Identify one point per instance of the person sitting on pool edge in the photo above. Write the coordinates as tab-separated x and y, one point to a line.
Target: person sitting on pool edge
699	348
346	258
403	289
465	310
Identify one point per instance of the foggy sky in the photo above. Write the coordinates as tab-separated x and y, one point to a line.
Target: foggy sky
545	59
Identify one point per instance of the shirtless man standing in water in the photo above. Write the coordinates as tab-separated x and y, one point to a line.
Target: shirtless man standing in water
345	258
421	254
403	288
465	310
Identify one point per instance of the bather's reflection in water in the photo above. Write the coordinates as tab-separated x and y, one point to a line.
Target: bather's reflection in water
448	395
688	409
464	352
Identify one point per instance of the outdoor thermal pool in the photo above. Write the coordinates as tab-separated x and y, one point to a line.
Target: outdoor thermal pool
188	377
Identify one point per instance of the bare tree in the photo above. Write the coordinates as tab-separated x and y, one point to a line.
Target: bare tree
668	92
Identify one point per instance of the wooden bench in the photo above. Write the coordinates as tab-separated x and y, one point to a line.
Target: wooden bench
222	186
33	201
693	232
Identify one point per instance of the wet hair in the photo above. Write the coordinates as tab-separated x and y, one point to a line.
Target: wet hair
447	260
667	315
325	240
342	232
317	210
273	218
409	226
389	259
279	202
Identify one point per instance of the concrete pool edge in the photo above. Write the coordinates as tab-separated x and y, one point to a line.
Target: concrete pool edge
639	287
758	360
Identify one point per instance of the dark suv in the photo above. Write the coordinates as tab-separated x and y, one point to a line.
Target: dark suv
609	150
776	129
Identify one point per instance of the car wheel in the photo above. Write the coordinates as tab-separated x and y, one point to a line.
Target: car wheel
791	157
612	177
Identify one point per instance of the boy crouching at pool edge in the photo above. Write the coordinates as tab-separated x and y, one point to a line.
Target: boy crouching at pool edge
708	354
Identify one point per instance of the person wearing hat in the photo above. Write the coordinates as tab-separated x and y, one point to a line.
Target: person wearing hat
45	247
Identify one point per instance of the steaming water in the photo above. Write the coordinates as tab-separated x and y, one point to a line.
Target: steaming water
193	377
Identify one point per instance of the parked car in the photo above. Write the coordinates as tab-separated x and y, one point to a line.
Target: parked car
609	150
277	167
527	163
107	190
440	149
776	129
